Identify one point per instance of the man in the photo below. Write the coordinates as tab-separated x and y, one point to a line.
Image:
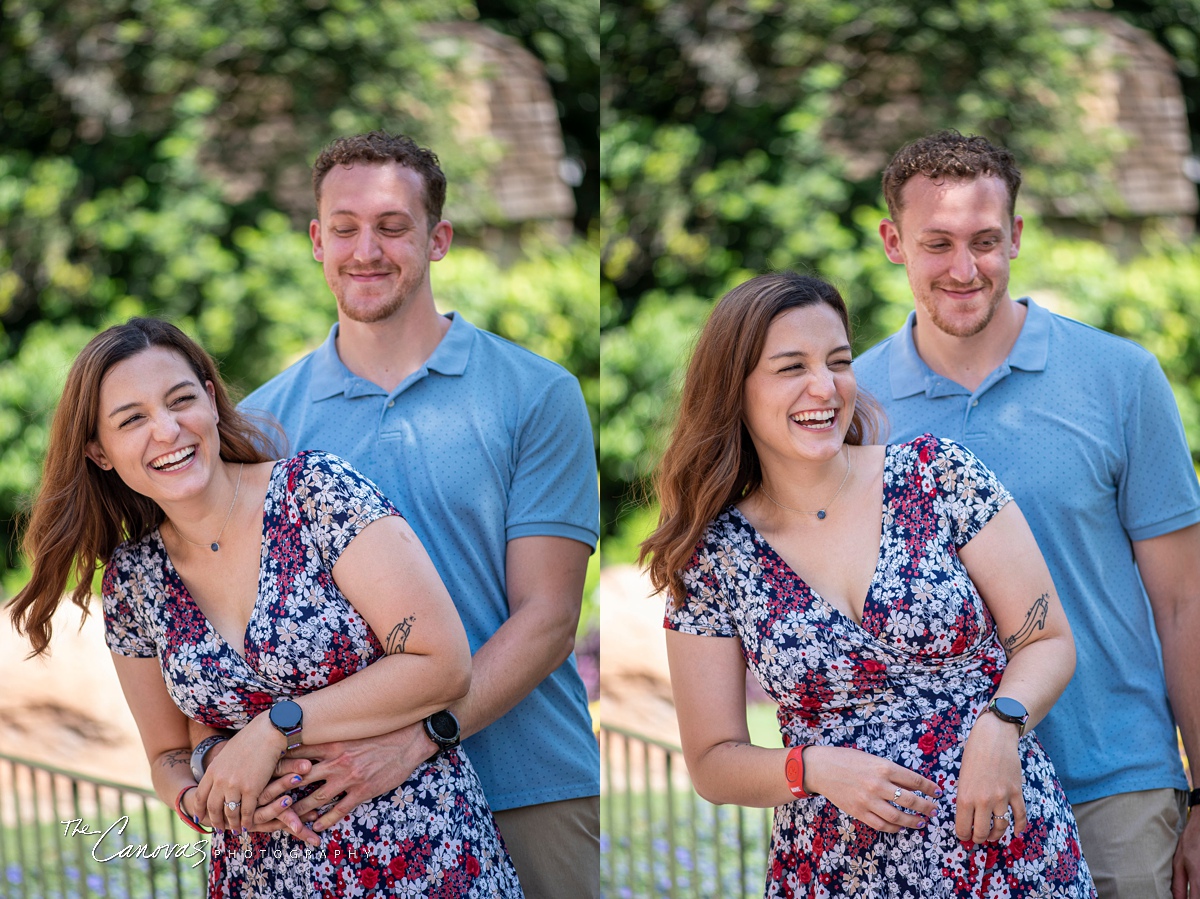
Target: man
486	449
1081	426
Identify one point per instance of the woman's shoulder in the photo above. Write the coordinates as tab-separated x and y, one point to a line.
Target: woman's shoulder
319	471
136	560
729	529
321	477
928	451
317	461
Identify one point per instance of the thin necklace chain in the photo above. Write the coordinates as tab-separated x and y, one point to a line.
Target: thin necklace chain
216	544
820	513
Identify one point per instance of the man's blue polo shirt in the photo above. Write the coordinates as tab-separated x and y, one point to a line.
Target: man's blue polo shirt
1082	427
485	443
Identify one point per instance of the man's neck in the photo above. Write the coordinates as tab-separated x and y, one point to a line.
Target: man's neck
387	352
969	360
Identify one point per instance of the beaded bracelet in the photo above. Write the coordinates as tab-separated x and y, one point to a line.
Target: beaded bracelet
189	820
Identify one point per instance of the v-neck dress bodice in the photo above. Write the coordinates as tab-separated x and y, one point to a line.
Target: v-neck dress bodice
432	836
906	684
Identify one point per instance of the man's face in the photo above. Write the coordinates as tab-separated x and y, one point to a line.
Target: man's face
374	241
955	239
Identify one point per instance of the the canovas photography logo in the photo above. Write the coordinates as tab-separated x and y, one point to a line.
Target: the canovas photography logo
109	847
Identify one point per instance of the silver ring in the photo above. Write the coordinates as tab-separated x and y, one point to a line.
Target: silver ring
896	797
232	805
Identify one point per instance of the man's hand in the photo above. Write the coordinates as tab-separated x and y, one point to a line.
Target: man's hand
1185	869
349	771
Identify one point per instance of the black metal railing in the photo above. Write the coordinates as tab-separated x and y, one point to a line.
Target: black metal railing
64	835
658	838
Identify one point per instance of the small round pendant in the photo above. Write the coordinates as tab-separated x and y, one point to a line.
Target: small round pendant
820	514
217	546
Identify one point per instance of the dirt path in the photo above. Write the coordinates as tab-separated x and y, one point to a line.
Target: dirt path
68	710
635	686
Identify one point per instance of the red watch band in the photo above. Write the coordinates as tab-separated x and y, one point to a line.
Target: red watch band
794	770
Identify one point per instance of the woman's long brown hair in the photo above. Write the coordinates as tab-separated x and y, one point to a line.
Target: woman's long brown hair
710	460
82	512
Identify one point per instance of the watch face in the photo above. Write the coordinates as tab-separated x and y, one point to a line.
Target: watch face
286	714
1010	708
444	725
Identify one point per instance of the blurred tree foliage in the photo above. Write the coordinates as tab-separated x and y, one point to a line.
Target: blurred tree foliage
155	158
746	135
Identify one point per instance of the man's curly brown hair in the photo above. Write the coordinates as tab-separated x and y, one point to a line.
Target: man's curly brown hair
949	155
378	147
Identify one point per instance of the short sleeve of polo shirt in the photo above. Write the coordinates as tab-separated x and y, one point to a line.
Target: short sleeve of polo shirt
554	490
1157	490
336	501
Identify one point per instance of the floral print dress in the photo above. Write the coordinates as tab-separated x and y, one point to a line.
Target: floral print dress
434	836
907	684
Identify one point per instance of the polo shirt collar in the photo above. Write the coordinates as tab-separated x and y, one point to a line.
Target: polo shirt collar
909	375
331	377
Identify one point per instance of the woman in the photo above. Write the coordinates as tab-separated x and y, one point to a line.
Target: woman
285	600
883	596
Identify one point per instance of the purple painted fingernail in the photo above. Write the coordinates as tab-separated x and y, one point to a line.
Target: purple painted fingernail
296	778
937	794
922	823
287	800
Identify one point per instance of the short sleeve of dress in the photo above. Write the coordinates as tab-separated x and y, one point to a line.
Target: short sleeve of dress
968	493
335	501
706	610
126	629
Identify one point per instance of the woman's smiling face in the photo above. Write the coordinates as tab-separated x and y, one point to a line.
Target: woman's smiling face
157	426
799	399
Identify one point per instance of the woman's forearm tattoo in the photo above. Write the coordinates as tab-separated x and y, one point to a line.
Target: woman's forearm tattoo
399	636
1035	620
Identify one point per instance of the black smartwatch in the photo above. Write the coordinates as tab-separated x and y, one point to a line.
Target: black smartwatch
442	727
288	718
1010	710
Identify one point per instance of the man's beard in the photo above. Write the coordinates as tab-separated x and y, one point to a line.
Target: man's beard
384	307
955	326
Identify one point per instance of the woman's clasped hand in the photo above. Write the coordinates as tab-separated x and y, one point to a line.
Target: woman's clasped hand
236	773
878	792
